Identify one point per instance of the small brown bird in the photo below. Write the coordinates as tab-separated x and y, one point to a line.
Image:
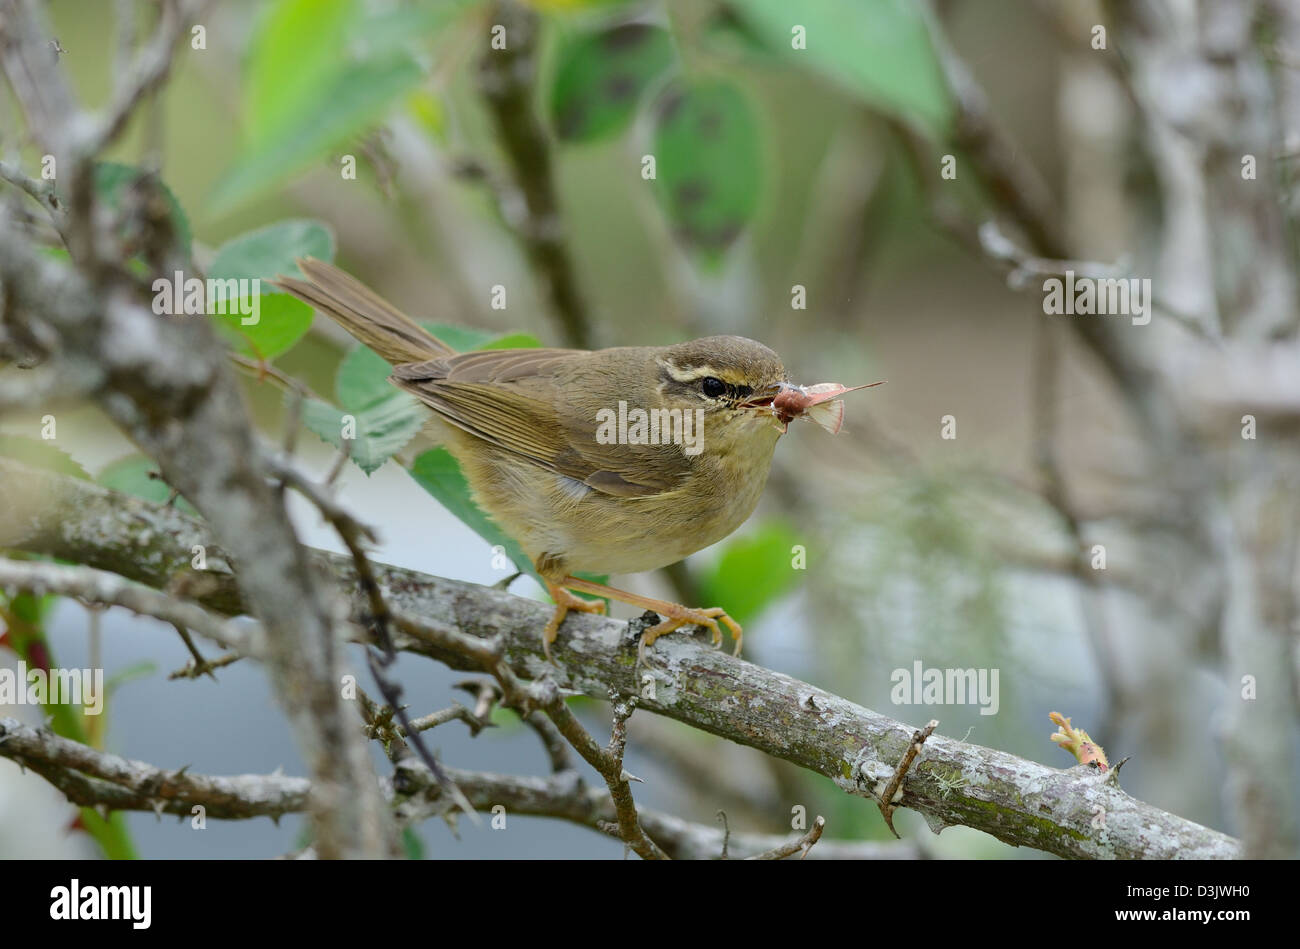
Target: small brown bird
609	461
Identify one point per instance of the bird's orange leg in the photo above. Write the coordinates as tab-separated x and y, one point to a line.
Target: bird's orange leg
675	615
565	601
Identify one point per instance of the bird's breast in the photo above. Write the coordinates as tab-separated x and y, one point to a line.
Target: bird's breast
584	529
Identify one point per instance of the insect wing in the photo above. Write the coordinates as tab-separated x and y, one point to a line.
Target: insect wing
829	415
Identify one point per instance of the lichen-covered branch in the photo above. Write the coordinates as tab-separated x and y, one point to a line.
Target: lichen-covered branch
110	589
1222	265
1071	813
92	778
165	384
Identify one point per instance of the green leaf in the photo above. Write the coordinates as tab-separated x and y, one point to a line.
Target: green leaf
112	835
272	250
428	110
512	341
40	453
381	430
131	475
388	29
282	320
437	472
571	6
362	379
460	338
464	338
386	417
318	72
294	53
25	636
753	572
412	845
349	102
261	255
706	148
878	50
112	183
602	76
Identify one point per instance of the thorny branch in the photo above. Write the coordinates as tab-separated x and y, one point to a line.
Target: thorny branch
803	845
544	695
1226	256
891	793
166	385
354	535
1016	800
93	304
93	778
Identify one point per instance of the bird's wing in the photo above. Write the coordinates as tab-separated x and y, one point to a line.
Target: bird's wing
508	397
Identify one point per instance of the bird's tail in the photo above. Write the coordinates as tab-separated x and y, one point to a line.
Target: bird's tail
363	313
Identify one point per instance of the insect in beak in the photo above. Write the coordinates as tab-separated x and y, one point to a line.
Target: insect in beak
818	403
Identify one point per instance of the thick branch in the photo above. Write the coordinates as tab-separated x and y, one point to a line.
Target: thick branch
1016	800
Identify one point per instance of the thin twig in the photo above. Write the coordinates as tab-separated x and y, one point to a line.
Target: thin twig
176	400
92	778
265	370
889	797
200	665
192	670
89	777
109	589
803	844
545	696
353	534
42	192
146	73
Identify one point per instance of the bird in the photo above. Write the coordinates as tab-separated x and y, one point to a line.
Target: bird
607	461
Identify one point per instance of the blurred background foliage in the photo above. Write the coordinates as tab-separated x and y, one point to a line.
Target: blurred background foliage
775	166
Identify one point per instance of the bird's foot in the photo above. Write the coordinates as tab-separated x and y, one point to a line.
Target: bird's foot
565	601
676	616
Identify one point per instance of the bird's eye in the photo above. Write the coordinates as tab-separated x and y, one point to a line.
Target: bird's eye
713	386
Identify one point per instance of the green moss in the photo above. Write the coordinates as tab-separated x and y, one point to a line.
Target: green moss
1023	821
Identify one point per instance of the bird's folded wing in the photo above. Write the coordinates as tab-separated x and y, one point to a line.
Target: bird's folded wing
508	397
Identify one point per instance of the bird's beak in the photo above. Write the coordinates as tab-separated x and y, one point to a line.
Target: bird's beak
787	402
762	401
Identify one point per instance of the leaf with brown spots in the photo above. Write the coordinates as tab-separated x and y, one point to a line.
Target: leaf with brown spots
706	148
602	76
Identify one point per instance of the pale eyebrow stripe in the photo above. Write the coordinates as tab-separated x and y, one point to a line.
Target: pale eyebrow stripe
678	374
